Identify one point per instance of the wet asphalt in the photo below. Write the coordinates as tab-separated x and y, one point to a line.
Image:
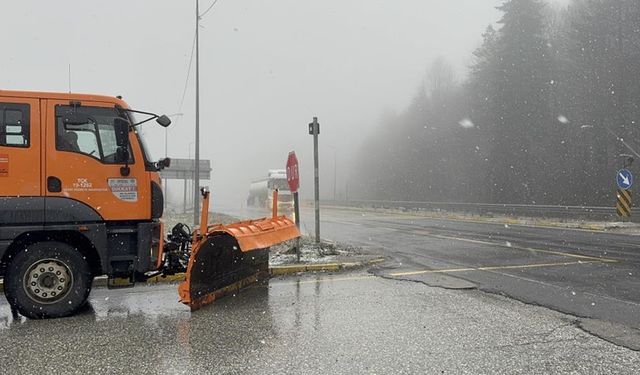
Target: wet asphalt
313	324
453	297
589	274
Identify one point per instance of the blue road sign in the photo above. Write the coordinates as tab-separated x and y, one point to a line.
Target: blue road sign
624	178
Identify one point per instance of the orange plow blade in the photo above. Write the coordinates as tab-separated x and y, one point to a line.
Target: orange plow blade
229	257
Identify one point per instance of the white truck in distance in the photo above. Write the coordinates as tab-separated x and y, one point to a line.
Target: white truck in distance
261	192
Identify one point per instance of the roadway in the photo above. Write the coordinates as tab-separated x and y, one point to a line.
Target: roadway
588	274
312	324
453	297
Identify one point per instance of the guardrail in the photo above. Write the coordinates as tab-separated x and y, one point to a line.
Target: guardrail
544	211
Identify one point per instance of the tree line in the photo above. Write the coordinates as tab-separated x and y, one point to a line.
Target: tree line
545	115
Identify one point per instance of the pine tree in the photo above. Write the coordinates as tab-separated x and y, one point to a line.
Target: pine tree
522	113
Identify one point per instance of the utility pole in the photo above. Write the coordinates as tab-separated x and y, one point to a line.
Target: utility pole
196	184
314	129
335	169
335	173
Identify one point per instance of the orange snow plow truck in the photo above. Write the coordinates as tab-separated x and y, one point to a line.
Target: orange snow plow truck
80	197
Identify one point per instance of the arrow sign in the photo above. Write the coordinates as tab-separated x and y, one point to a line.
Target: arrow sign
624	178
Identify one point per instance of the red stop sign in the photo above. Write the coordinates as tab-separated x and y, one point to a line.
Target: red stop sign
293	178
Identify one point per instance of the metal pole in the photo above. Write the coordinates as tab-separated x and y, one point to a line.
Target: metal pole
166	187
316	130
335	168
190	183
296	212
184	197
196	184
346	190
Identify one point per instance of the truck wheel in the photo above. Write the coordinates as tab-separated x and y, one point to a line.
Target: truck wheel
47	280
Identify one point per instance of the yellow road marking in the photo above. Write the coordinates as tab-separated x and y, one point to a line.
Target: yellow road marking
492	268
559	253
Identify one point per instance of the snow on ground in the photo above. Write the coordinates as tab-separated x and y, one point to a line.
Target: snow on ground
310	252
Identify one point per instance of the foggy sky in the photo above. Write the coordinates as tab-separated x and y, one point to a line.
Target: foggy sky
267	67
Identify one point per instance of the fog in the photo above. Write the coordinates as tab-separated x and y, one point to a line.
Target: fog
547	114
266	69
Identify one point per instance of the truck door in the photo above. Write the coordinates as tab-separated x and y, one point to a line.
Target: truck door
82	168
21	200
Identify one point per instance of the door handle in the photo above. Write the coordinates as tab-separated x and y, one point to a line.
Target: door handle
54	185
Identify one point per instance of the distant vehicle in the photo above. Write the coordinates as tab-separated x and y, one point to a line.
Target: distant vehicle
261	191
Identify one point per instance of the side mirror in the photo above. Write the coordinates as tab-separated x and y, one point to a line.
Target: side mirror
164	121
163	163
122	155
121	127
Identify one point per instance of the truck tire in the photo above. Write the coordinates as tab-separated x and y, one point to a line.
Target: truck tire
47	280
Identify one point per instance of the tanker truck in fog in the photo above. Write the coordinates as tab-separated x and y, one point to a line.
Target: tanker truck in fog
261	192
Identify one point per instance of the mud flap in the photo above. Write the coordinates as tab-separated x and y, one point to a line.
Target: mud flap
231	257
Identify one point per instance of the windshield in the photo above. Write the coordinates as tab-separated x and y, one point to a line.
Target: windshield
141	139
95	137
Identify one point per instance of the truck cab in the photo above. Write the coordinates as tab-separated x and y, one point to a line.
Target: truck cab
79	197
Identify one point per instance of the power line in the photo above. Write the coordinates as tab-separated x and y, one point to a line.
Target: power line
186	81
193	46
208	9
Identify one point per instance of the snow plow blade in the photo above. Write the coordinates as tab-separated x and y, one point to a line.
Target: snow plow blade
229	257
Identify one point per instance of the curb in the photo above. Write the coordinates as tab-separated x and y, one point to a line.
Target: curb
323	267
274	270
101	281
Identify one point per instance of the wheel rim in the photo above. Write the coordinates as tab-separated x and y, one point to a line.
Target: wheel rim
48	281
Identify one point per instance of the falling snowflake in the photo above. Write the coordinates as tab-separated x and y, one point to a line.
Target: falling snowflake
563	119
466	123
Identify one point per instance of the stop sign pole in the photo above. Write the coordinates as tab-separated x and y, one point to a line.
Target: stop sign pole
293	179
